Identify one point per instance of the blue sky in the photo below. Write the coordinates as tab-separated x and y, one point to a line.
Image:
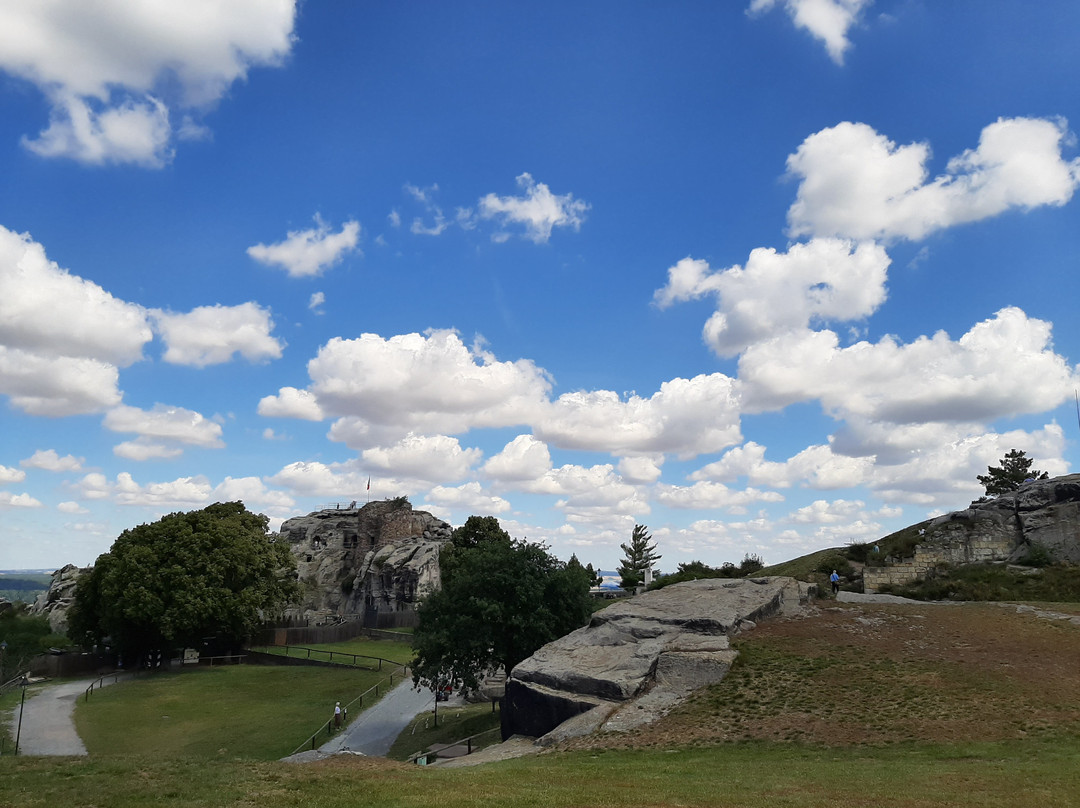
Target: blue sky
766	276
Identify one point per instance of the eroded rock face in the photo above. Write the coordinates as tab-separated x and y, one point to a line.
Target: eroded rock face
55	602
638	659
1041	517
379	557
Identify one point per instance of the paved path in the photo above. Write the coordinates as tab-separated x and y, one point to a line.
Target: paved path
48	727
376	728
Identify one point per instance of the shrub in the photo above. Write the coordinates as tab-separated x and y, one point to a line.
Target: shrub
838	562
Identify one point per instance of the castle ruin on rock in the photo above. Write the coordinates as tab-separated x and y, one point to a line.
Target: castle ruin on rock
370	562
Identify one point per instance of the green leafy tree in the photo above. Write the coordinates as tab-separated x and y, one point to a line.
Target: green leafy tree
1014	469
26	636
640	554
476	531
750	564
500	601
172	583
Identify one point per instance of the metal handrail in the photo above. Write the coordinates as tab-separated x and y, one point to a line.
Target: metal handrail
330	724
331	654
467	741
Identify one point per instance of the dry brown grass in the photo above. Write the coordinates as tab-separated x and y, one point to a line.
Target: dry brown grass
844	674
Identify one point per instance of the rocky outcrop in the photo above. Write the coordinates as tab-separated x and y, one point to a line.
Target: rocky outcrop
372	560
1041	517
639	658
55	602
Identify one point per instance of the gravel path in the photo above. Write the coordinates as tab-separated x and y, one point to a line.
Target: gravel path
48	727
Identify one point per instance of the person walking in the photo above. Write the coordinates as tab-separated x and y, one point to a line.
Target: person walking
834	579
337	715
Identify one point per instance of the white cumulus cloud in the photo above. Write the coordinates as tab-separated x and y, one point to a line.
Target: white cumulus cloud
468	497
212	335
1001	367
432	458
165	424
427	384
112	70
291	403
62	338
856	183
50	460
10	475
826	20
825	280
538	210
685	417
309	253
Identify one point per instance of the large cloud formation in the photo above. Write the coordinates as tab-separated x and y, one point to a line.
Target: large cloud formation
113	71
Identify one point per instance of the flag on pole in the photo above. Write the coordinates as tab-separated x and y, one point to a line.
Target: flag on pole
368	483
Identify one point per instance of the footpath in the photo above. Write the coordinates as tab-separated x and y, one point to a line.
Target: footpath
48	725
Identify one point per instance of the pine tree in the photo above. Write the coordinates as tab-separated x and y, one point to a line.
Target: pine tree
1014	469
640	555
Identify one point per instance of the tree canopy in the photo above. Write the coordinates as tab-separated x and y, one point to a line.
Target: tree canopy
1015	467
640	555
477	530
214	572
501	599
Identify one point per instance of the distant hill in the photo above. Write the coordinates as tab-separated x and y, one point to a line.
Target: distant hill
23	585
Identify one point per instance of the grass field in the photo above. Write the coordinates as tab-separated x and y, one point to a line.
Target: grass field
398	652
848	705
247	711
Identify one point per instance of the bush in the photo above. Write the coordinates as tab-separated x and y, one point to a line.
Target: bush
837	562
859	551
1038	556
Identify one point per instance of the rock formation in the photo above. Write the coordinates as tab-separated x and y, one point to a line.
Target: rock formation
372	560
55	602
637	659
1042	516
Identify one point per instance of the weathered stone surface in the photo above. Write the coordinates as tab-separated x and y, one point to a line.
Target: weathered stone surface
643	655
1042	515
55	602
379	557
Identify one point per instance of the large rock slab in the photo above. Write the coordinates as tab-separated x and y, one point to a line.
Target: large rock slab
637	659
378	558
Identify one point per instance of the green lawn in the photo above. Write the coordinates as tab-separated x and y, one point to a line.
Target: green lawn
238	711
399	652
1025	774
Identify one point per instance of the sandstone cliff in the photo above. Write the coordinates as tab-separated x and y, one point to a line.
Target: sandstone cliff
373	560
637	659
57	600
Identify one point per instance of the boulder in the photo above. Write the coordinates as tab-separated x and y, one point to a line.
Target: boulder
639	658
377	558
56	601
